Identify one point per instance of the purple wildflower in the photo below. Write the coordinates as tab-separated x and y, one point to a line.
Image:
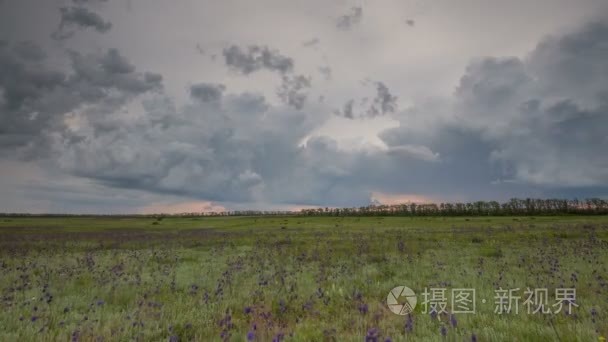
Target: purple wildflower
409	323
372	335
444	330
453	321
250	336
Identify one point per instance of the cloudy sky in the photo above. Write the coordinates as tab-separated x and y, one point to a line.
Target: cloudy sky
135	106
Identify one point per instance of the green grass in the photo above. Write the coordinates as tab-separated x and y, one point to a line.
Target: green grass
307	278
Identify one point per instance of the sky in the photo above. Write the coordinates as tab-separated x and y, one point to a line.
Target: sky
147	106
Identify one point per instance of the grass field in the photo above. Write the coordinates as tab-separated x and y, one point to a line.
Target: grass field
295	278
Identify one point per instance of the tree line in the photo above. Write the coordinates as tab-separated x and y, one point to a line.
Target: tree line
515	206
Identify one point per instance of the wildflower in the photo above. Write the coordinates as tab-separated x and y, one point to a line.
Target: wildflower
453	321
473	338
282	306
363	308
247	310
174	338
76	336
372	335
444	330
409	323
250	336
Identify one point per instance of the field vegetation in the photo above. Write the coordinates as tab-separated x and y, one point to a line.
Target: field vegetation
295	278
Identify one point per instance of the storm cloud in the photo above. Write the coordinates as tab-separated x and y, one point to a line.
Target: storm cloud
293	90
439	116
351	19
36	99
79	18
255	58
207	92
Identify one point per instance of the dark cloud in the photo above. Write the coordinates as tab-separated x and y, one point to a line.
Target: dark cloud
254	58
311	43
514	126
325	71
81	18
198	150
348	109
384	102
353	18
200	50
530	126
29	51
83	2
27	87
293	90
114	63
207	92
410	22
96	73
36	99
547	114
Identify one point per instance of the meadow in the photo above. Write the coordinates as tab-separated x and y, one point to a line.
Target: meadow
296	278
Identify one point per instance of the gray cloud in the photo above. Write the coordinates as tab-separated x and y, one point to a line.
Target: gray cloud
384	102
546	114
311	43
28	92
197	150
348	109
82	18
36	99
531	125
353	18
254	58
414	151
94	73
84	2
207	92
325	71
200	49
293	90
29	51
